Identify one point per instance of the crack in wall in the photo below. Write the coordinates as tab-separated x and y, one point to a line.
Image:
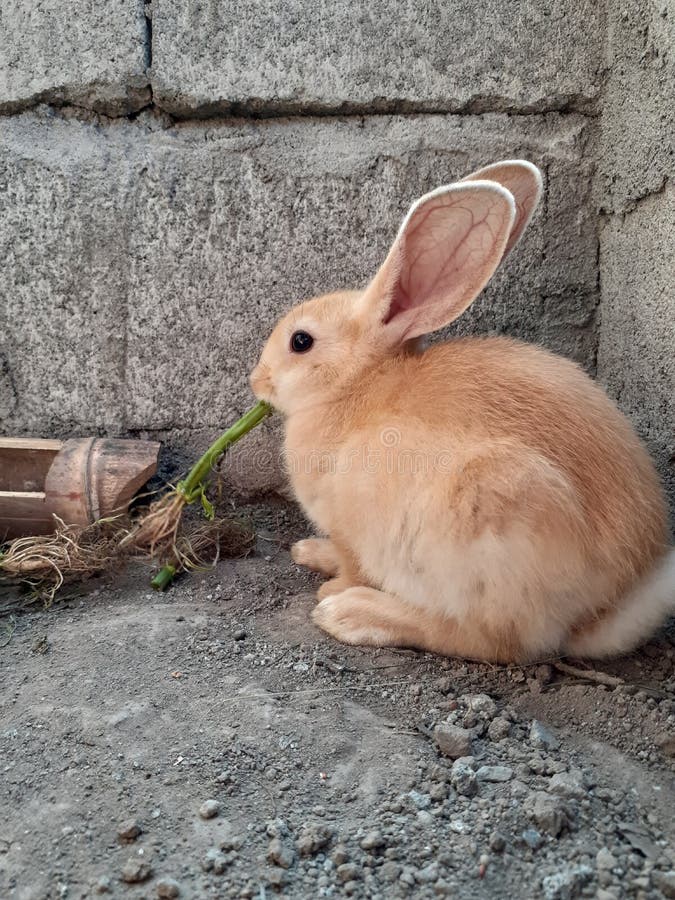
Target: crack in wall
258	108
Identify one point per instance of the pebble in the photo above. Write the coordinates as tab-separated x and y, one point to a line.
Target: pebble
104	885
452	740
499	729
566	884
276	876
421	801
167	887
374	840
339	855
313	838
497	842
494	773
215	861
548	813
389	872
464	778
567	784
129	831
532	838
605	859
427	874
348	872
209	809
666	743
135	871
482	704
280	853
542	738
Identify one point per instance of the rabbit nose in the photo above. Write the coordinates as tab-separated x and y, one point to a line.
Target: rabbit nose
259	379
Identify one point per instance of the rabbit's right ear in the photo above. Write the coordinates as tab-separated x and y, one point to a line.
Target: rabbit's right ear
448	246
522	179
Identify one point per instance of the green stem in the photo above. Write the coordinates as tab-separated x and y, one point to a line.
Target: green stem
191	487
163	578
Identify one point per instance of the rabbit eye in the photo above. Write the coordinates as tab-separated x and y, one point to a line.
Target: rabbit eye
301	342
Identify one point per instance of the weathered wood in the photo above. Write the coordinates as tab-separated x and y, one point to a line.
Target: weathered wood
24	463
80	481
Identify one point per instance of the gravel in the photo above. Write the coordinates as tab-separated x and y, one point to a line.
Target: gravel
323	761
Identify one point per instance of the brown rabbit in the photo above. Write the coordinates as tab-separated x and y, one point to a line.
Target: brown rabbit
483	497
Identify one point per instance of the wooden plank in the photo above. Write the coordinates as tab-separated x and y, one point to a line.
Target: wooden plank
24	463
30	444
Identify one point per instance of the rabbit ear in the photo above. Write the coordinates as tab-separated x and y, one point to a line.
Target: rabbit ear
448	246
522	179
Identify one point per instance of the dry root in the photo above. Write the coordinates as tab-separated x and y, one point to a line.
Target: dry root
74	553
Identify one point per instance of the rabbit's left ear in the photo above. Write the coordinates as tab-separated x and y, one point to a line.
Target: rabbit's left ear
448	246
523	180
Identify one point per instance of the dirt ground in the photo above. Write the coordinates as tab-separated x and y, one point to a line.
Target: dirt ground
124	712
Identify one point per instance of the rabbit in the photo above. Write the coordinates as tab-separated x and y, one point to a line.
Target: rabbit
481	497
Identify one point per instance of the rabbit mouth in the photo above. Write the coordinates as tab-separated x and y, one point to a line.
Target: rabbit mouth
261	383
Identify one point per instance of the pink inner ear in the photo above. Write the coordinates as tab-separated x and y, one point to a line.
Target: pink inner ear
432	254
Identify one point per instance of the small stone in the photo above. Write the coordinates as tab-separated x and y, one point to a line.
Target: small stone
129	831
428	874
167	887
280	853
276	876
452	740
666	743
239	634
231	842
339	855
444	685
103	885
215	861
136	871
542	738
497	842
389	872
209	809
665	882
314	838
374	840
464	778
481	704
532	838
348	872
567	884
494	773
277	828
499	729
605	860
548	813
421	801
567	784
439	792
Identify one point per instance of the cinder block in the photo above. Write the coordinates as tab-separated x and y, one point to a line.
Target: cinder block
91	54
386	55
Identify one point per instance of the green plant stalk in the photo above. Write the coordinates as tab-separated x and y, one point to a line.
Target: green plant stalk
193	486
163	578
196	481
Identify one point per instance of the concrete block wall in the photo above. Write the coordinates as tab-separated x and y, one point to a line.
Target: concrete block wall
635	195
173	175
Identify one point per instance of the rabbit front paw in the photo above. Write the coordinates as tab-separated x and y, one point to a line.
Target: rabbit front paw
354	616
318	554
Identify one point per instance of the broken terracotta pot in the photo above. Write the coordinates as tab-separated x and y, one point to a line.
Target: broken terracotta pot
79	480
